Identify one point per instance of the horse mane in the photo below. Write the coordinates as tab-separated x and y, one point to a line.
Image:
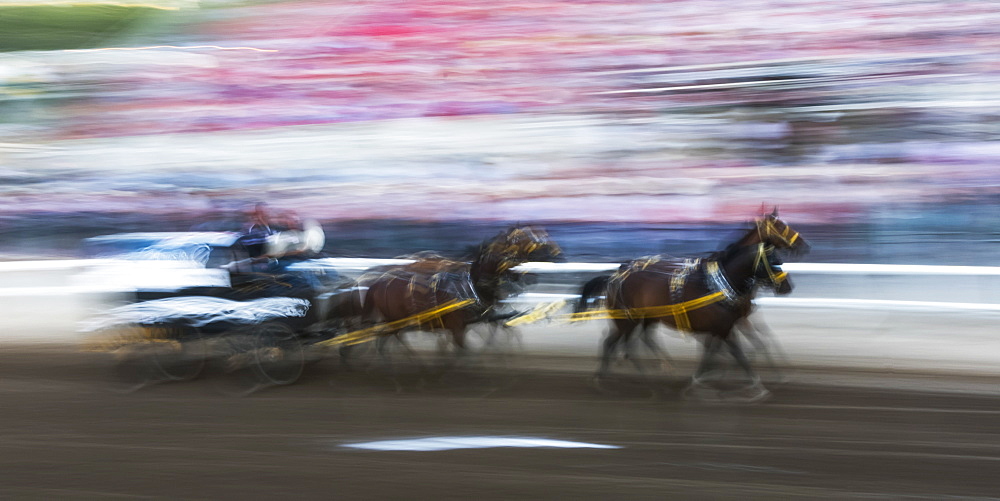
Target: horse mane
734	245
724	254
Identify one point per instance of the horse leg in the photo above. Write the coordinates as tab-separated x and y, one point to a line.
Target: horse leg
749	332
643	331
514	340
382	348
458	337
648	337
629	353
710	348
636	362
492	329
762	338
746	329
737	352
502	343
628	347
619	329
456	327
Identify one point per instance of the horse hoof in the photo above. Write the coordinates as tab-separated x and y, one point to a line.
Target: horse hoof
761	396
598	383
751	395
698	391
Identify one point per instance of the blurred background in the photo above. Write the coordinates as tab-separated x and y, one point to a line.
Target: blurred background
623	127
627	128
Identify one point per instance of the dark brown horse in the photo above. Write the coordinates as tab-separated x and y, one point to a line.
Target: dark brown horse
707	296
755	332
398	293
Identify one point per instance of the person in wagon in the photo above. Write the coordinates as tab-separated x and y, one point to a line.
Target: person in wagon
258	230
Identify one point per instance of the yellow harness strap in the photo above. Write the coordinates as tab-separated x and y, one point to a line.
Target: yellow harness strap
365	335
541	311
678	311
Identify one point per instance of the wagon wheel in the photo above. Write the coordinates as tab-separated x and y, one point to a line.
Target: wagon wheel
278	354
254	358
152	354
183	362
236	376
131	371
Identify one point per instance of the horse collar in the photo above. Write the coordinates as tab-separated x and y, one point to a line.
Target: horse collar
717	281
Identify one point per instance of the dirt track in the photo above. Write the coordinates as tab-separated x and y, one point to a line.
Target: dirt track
63	435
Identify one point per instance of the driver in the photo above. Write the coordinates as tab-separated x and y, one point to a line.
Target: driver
257	231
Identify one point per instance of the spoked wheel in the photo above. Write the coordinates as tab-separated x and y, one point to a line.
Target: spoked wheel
157	355
131	370
236	376
183	362
279	356
268	355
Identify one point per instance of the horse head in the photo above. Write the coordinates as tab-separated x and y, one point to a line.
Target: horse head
520	244
772	231
768	272
494	259
532	243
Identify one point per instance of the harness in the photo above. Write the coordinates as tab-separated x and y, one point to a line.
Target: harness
365	335
761	260
452	277
765	228
720	291
718	285
680	277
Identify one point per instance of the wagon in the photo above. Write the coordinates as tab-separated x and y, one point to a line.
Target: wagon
251	343
246	319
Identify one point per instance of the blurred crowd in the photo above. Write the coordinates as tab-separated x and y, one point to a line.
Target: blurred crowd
604	110
799	65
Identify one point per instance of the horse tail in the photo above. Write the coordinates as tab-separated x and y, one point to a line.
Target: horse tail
593	287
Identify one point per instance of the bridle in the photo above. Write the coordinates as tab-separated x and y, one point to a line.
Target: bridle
763	251
767	230
522	242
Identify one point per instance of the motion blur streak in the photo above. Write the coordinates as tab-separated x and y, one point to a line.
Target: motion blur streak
452	443
72	3
291	232
186	47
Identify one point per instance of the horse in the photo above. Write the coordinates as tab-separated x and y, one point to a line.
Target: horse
405	297
709	295
756	332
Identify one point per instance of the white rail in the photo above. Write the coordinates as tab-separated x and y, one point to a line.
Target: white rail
819	268
541	267
814	303
890	269
81	269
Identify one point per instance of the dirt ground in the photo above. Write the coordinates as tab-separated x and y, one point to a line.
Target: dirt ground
825	434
